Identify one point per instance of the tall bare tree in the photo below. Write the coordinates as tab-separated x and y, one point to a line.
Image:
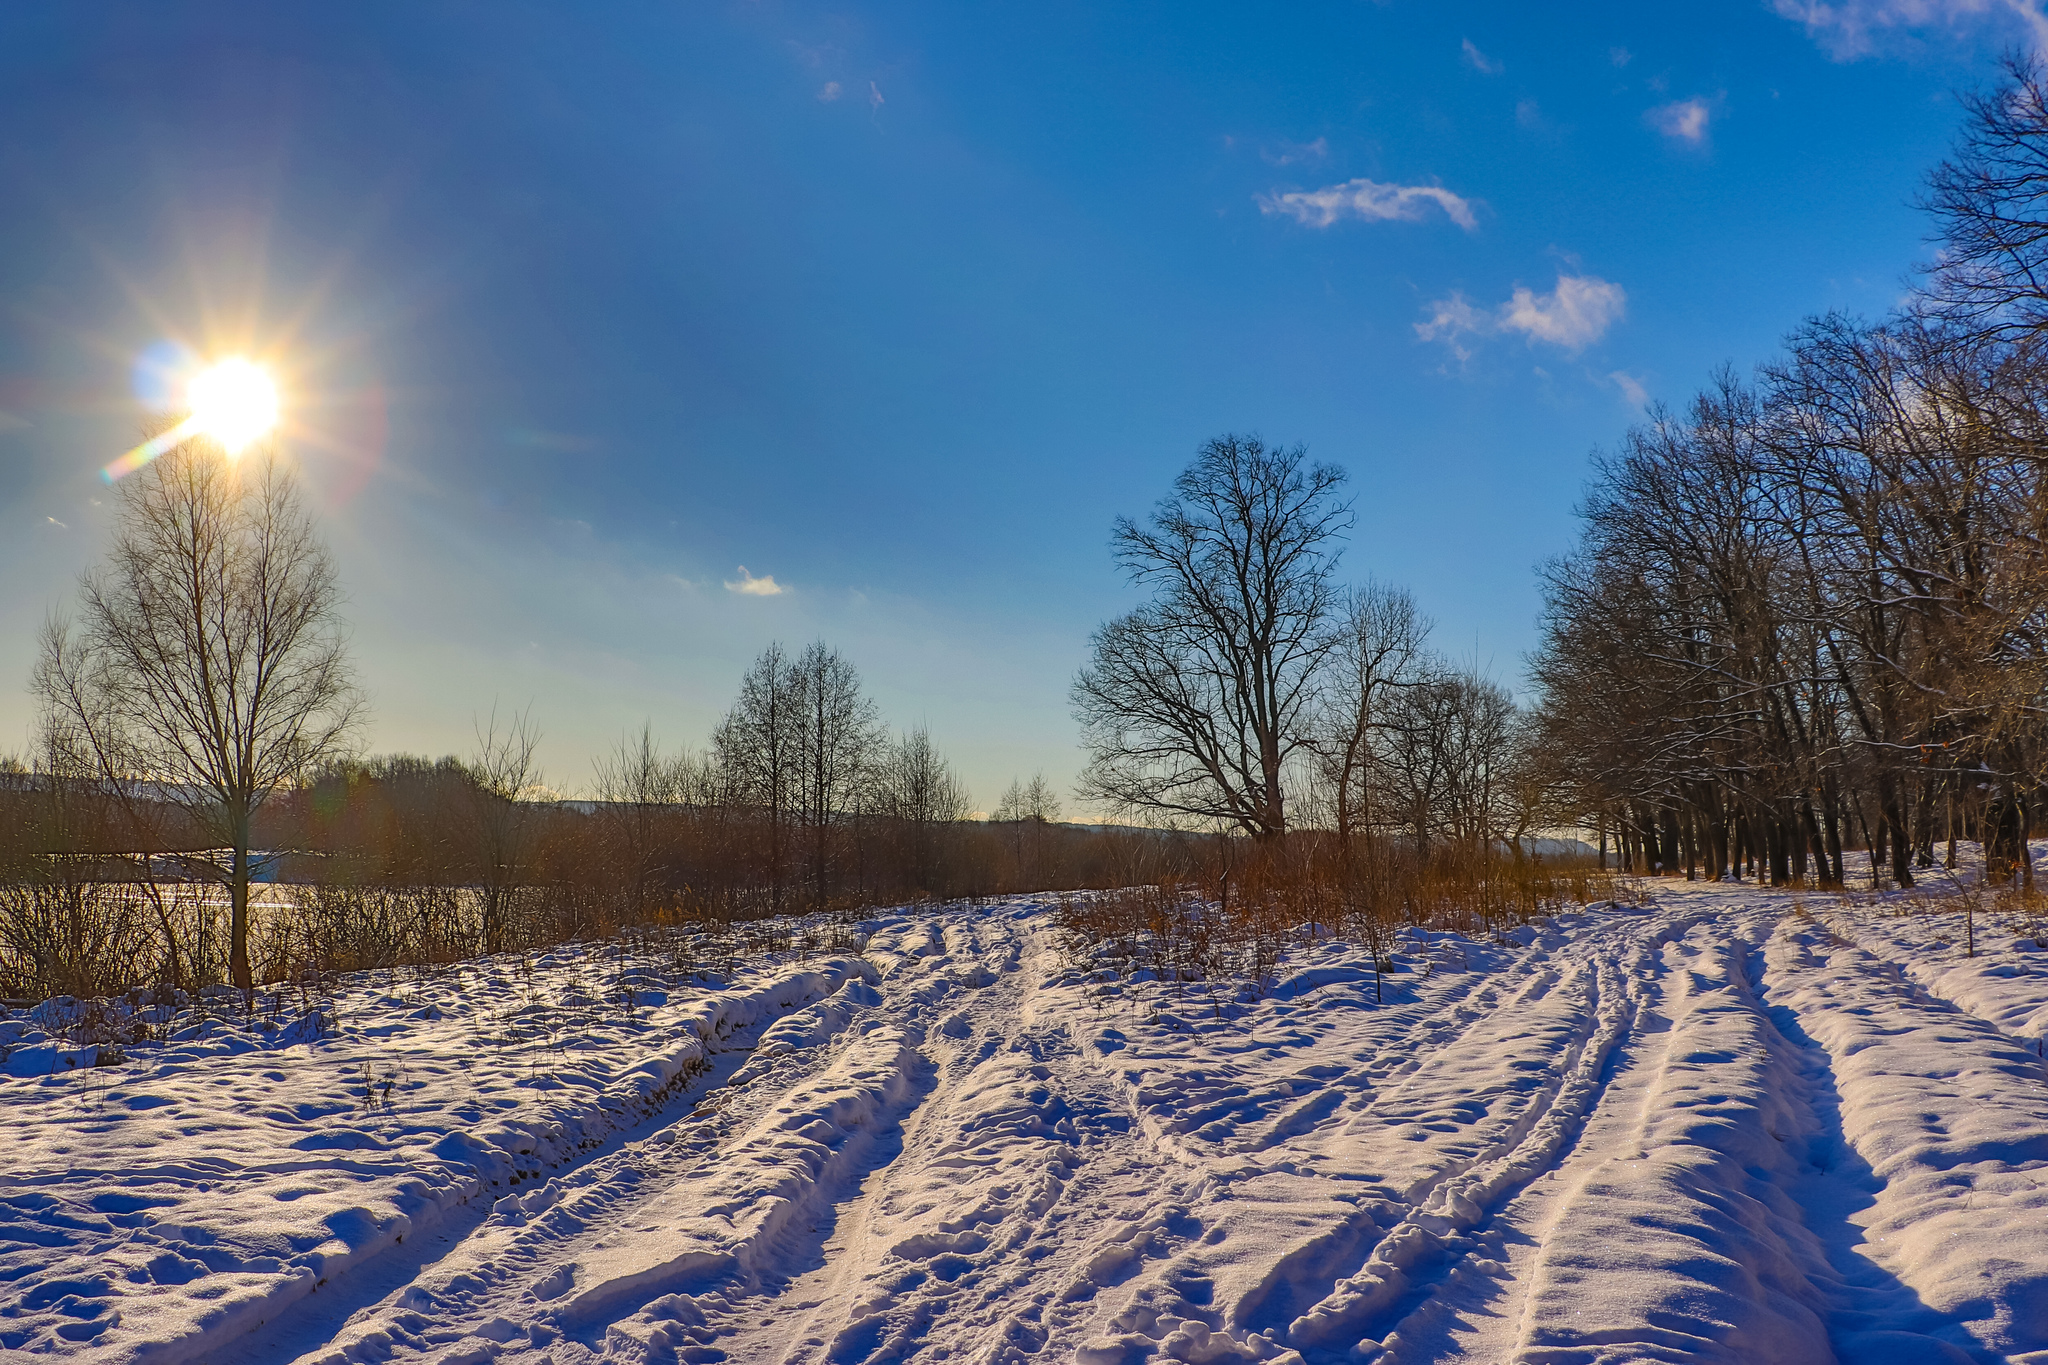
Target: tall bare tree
209	658
839	734
759	749
1193	704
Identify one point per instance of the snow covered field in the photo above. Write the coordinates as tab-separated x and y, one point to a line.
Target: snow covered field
1726	1126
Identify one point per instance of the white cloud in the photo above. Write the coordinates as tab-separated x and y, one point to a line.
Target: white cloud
1572	316
1529	114
1368	200
1620	56
749	586
1288	153
56	523
1632	388
1848	29
875	100
1479	61
1685	120
829	91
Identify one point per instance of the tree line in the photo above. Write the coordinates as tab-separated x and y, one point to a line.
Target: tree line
1808	611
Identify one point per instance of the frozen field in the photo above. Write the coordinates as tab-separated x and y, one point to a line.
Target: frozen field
1722	1127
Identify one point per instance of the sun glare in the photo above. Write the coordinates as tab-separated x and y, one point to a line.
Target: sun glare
234	402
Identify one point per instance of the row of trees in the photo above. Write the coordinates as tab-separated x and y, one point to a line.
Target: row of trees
1810	611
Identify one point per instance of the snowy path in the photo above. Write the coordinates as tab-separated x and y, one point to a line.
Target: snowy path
1729	1127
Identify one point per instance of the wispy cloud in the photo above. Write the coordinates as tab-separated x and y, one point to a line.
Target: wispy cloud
1620	56
747	585
1451	320
1290	153
1479	61
1529	113
1572	316
56	523
830	91
1848	29
1369	201
1631	388
875	100
1682	120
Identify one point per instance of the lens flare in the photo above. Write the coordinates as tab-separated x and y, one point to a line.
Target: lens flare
234	402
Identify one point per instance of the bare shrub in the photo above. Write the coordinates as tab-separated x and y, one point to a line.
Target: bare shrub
83	938
1226	927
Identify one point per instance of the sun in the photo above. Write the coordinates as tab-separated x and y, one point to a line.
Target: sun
234	402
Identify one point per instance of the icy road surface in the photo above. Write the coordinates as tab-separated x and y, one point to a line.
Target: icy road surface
1722	1128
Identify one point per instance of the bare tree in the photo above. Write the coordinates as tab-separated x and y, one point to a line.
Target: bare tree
1193	704
1378	651
839	734
635	781
919	790
1027	810
1989	201
759	748
502	774
209	658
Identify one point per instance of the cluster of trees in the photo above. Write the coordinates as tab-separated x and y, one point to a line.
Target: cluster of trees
1809	612
1256	694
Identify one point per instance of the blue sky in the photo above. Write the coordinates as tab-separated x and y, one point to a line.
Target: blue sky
581	309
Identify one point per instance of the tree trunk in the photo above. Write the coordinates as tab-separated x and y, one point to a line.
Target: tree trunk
1895	830
1775	836
238	906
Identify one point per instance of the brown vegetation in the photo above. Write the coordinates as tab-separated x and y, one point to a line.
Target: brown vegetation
1221	920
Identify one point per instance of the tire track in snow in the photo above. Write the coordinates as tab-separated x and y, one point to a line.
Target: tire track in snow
171	1288
2008	991
503	1291
1423	1160
1686	1223
1461	1180
988	1243
1220	1108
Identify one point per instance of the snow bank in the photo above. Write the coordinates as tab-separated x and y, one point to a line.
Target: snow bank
1950	1118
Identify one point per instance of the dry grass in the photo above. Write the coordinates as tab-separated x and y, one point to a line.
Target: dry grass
1232	920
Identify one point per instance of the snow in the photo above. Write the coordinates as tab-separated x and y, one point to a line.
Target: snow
1728	1124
